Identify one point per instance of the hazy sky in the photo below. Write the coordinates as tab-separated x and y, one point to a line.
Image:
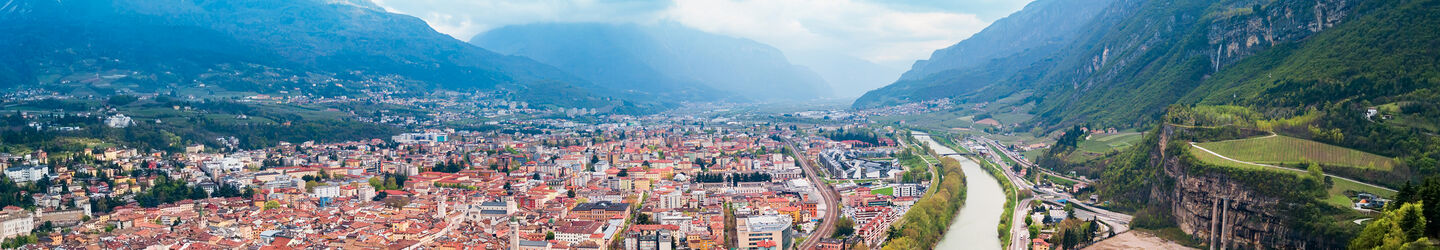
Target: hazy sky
892	34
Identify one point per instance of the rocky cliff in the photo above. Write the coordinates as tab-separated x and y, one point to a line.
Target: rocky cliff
1233	208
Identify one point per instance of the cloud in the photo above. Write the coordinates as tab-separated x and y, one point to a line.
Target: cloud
463	19
889	33
861	29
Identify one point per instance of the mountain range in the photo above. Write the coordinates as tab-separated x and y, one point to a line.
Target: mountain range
285	45
1120	63
666	60
345	47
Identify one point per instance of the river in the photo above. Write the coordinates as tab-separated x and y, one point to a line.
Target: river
975	226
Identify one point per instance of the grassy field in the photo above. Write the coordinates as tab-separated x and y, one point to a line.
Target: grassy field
1058	180
1284	149
885	191
1216	160
1337	192
1033	154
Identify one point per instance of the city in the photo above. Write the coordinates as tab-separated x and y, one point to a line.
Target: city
719	124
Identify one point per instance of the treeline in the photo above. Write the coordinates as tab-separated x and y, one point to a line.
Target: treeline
12	194
451	166
861	135
167	190
388	182
178	131
926	222
732	178
1415	210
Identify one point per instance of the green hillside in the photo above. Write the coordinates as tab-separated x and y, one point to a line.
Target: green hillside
1285	149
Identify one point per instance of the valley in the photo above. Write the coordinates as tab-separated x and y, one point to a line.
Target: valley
654	125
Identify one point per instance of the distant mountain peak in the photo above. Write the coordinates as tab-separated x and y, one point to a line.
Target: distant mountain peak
666	59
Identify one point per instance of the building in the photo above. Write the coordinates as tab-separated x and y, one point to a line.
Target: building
909	190
15	221
763	232
830	244
578	231
649	240
327	191
119	121
600	211
671	199
413	138
30	173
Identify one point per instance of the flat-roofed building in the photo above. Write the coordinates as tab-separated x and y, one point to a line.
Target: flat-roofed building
763	232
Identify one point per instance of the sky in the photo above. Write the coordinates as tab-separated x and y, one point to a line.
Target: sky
857	45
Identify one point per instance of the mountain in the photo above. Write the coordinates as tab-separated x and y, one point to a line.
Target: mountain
666	60
1134	58
266	46
1003	49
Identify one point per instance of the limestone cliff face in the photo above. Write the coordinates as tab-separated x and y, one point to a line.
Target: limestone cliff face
1243	30
1224	212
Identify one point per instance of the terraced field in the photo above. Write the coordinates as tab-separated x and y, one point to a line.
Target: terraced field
1284	149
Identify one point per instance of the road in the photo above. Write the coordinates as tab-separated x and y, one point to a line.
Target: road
1024	162
1019	231
1019	234
827	193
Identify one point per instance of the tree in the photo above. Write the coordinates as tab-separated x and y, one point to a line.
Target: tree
570	193
377	183
844	227
1399	228
642	219
272	205
550	235
310	186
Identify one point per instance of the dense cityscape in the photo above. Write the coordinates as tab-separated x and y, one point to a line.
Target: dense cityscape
719	124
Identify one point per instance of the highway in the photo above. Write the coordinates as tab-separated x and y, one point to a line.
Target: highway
827	193
1019	235
1023	162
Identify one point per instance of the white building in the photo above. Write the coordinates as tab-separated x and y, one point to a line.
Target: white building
224	164
327	191
119	121
908	190
31	173
428	137
763	232
671	199
15	221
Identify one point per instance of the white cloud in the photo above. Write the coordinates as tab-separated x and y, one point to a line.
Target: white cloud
463	19
861	29
892	34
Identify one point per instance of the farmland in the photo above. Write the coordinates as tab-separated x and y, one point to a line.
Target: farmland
1284	149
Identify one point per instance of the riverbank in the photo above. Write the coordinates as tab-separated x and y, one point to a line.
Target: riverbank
922	227
974	226
1012	194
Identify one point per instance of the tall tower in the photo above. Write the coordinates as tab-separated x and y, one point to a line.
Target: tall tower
440	207
514	234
